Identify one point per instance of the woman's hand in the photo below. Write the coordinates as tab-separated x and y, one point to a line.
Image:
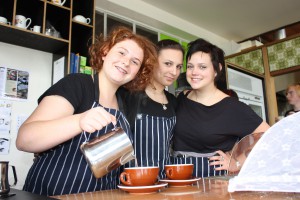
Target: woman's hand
221	159
95	119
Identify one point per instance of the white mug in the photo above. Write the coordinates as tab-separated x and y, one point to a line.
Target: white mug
82	19
3	20
22	22
59	2
36	29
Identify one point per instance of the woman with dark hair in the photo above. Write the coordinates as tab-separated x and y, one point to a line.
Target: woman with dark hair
151	113
80	106
209	123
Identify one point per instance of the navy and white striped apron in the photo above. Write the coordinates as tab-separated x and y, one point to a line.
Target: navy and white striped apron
63	169
151	140
201	165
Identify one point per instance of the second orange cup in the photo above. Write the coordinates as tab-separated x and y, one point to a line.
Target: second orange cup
179	171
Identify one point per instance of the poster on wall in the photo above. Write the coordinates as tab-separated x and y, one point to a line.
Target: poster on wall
5	117
4	145
14	83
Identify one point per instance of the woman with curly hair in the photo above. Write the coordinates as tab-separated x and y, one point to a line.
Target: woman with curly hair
80	103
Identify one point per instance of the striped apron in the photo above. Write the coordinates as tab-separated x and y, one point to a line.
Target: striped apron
63	169
151	140
201	164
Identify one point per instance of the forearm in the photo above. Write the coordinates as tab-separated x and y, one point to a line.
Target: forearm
38	136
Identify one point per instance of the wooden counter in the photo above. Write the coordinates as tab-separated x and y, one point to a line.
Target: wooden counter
204	189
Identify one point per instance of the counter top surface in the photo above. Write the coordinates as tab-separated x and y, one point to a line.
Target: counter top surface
205	189
23	195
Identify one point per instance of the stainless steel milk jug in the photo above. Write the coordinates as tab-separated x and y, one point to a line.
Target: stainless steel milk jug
4	184
108	151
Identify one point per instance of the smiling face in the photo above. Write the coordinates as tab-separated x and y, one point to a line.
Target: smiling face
200	71
123	61
170	62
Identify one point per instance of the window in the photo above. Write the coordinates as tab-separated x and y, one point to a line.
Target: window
151	35
114	21
99	24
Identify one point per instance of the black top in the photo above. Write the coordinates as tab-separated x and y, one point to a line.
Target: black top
139	102
78	89
205	129
289	112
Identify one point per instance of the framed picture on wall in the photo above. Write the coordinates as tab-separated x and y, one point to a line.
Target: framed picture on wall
14	83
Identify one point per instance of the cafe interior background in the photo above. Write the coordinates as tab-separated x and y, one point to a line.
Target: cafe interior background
238	27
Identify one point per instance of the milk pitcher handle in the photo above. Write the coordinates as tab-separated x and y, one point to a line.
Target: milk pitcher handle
15	175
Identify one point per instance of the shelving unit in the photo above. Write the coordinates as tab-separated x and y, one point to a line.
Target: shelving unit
74	36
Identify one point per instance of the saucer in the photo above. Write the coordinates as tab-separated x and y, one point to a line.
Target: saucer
142	189
180	182
179	191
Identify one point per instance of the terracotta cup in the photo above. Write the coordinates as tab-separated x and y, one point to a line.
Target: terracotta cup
179	171
139	176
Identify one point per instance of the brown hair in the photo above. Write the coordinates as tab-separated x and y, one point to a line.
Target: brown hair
118	34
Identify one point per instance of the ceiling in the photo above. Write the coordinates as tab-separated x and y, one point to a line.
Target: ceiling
236	20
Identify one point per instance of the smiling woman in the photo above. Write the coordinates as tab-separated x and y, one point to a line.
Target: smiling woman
208	121
80	104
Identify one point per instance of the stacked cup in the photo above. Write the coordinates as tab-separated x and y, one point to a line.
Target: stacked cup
3	20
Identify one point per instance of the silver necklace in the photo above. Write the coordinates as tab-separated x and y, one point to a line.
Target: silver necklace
164	106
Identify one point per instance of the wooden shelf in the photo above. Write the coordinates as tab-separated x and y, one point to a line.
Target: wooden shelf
29	39
75	36
83	24
64	7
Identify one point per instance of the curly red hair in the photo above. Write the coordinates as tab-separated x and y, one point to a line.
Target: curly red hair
103	45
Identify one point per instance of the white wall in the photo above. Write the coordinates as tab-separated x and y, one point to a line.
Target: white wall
283	81
39	66
144	13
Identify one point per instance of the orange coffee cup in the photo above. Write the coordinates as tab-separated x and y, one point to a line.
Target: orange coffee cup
139	176
179	171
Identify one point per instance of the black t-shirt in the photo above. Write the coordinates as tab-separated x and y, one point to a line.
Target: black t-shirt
139	102
289	112
78	89
205	129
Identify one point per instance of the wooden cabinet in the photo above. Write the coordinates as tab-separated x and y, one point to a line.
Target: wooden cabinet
73	36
